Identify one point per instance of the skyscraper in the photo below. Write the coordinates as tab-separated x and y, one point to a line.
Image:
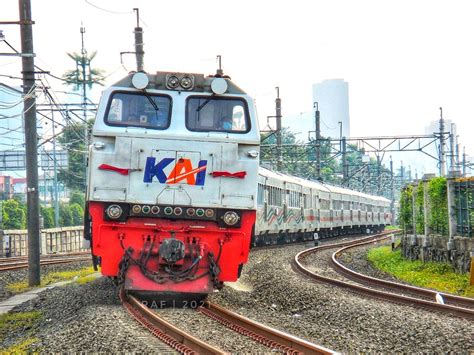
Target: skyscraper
332	97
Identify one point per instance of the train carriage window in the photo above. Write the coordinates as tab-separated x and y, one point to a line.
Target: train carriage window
307	201
133	109
324	204
217	114
260	194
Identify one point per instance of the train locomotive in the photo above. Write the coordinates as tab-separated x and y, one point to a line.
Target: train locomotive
175	194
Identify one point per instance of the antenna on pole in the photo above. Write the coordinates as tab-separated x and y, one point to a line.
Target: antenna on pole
219	71
139	42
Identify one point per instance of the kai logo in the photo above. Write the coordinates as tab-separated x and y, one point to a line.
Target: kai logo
182	170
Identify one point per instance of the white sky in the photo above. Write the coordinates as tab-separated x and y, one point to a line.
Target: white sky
402	59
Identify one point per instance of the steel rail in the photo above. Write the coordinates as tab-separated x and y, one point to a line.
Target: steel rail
24	264
172	336
272	338
459	311
43	257
423	292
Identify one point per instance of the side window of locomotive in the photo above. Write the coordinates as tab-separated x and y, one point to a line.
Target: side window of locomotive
139	110
214	114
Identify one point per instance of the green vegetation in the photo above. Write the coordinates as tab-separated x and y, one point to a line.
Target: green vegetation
72	138
71	214
438	212
22	347
437	276
11	323
391	228
14	214
299	159
82	276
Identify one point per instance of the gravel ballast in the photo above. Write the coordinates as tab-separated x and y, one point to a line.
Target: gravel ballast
271	293
90	318
13	276
86	318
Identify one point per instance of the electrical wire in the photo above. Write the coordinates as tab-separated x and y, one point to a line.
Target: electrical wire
106	10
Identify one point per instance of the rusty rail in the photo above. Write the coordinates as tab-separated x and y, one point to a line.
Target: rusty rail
397	298
272	338
422	292
172	336
24	264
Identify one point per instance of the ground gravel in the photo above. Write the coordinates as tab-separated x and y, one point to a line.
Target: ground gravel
13	276
212	332
270	292
86	318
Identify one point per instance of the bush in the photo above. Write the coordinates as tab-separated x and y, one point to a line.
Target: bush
65	215
77	197
14	215
77	214
48	217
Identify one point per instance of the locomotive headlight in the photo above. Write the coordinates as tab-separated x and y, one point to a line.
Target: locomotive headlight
186	82
230	218
114	211
173	82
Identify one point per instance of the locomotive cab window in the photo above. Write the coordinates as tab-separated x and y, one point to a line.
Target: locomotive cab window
216	114
139	110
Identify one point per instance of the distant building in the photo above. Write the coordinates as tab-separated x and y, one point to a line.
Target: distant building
19	186
332	97
6	187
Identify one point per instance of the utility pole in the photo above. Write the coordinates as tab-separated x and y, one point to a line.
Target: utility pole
317	120
84	105
392	193
413	199
31	143
56	197
464	162
345	168
452	167
379	175
278	127
442	146
139	42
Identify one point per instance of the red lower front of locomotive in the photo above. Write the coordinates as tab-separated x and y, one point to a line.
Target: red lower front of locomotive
169	256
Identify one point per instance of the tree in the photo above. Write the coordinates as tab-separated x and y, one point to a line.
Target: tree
65	215
77	213
48	217
14	215
298	159
72	139
77	78
77	197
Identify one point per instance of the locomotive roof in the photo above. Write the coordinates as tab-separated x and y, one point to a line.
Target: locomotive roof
200	82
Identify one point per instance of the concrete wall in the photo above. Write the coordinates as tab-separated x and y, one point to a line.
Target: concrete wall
434	248
54	240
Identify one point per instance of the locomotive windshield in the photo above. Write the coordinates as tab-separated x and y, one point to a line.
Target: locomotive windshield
217	114
139	110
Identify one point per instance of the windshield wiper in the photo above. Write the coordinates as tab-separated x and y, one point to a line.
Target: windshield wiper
201	106
152	102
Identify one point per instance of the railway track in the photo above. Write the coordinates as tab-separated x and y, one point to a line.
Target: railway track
185	343
43	257
382	289
22	263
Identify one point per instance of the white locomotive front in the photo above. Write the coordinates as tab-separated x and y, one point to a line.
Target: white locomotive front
172	177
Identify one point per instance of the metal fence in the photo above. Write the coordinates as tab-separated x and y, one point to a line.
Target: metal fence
53	241
464	204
